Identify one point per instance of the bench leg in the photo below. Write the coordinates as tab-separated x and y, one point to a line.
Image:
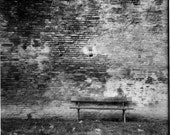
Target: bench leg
78	114
124	116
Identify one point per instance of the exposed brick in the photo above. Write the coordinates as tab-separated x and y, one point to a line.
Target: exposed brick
66	30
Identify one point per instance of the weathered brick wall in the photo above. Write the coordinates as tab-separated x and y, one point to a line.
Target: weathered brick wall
53	50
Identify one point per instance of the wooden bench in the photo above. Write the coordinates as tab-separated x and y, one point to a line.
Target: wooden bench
115	103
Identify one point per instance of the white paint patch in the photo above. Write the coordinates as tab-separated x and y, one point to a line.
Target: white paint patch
40	59
88	80
46	49
111	88
90	50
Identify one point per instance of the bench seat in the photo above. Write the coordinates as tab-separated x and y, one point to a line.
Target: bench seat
103	108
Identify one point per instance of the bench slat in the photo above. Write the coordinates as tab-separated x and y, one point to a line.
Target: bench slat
101	100
103	108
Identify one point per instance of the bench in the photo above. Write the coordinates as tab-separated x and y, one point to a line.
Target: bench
113	103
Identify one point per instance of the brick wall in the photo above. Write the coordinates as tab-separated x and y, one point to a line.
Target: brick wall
55	50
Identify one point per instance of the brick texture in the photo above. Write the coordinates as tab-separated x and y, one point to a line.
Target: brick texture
53	50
